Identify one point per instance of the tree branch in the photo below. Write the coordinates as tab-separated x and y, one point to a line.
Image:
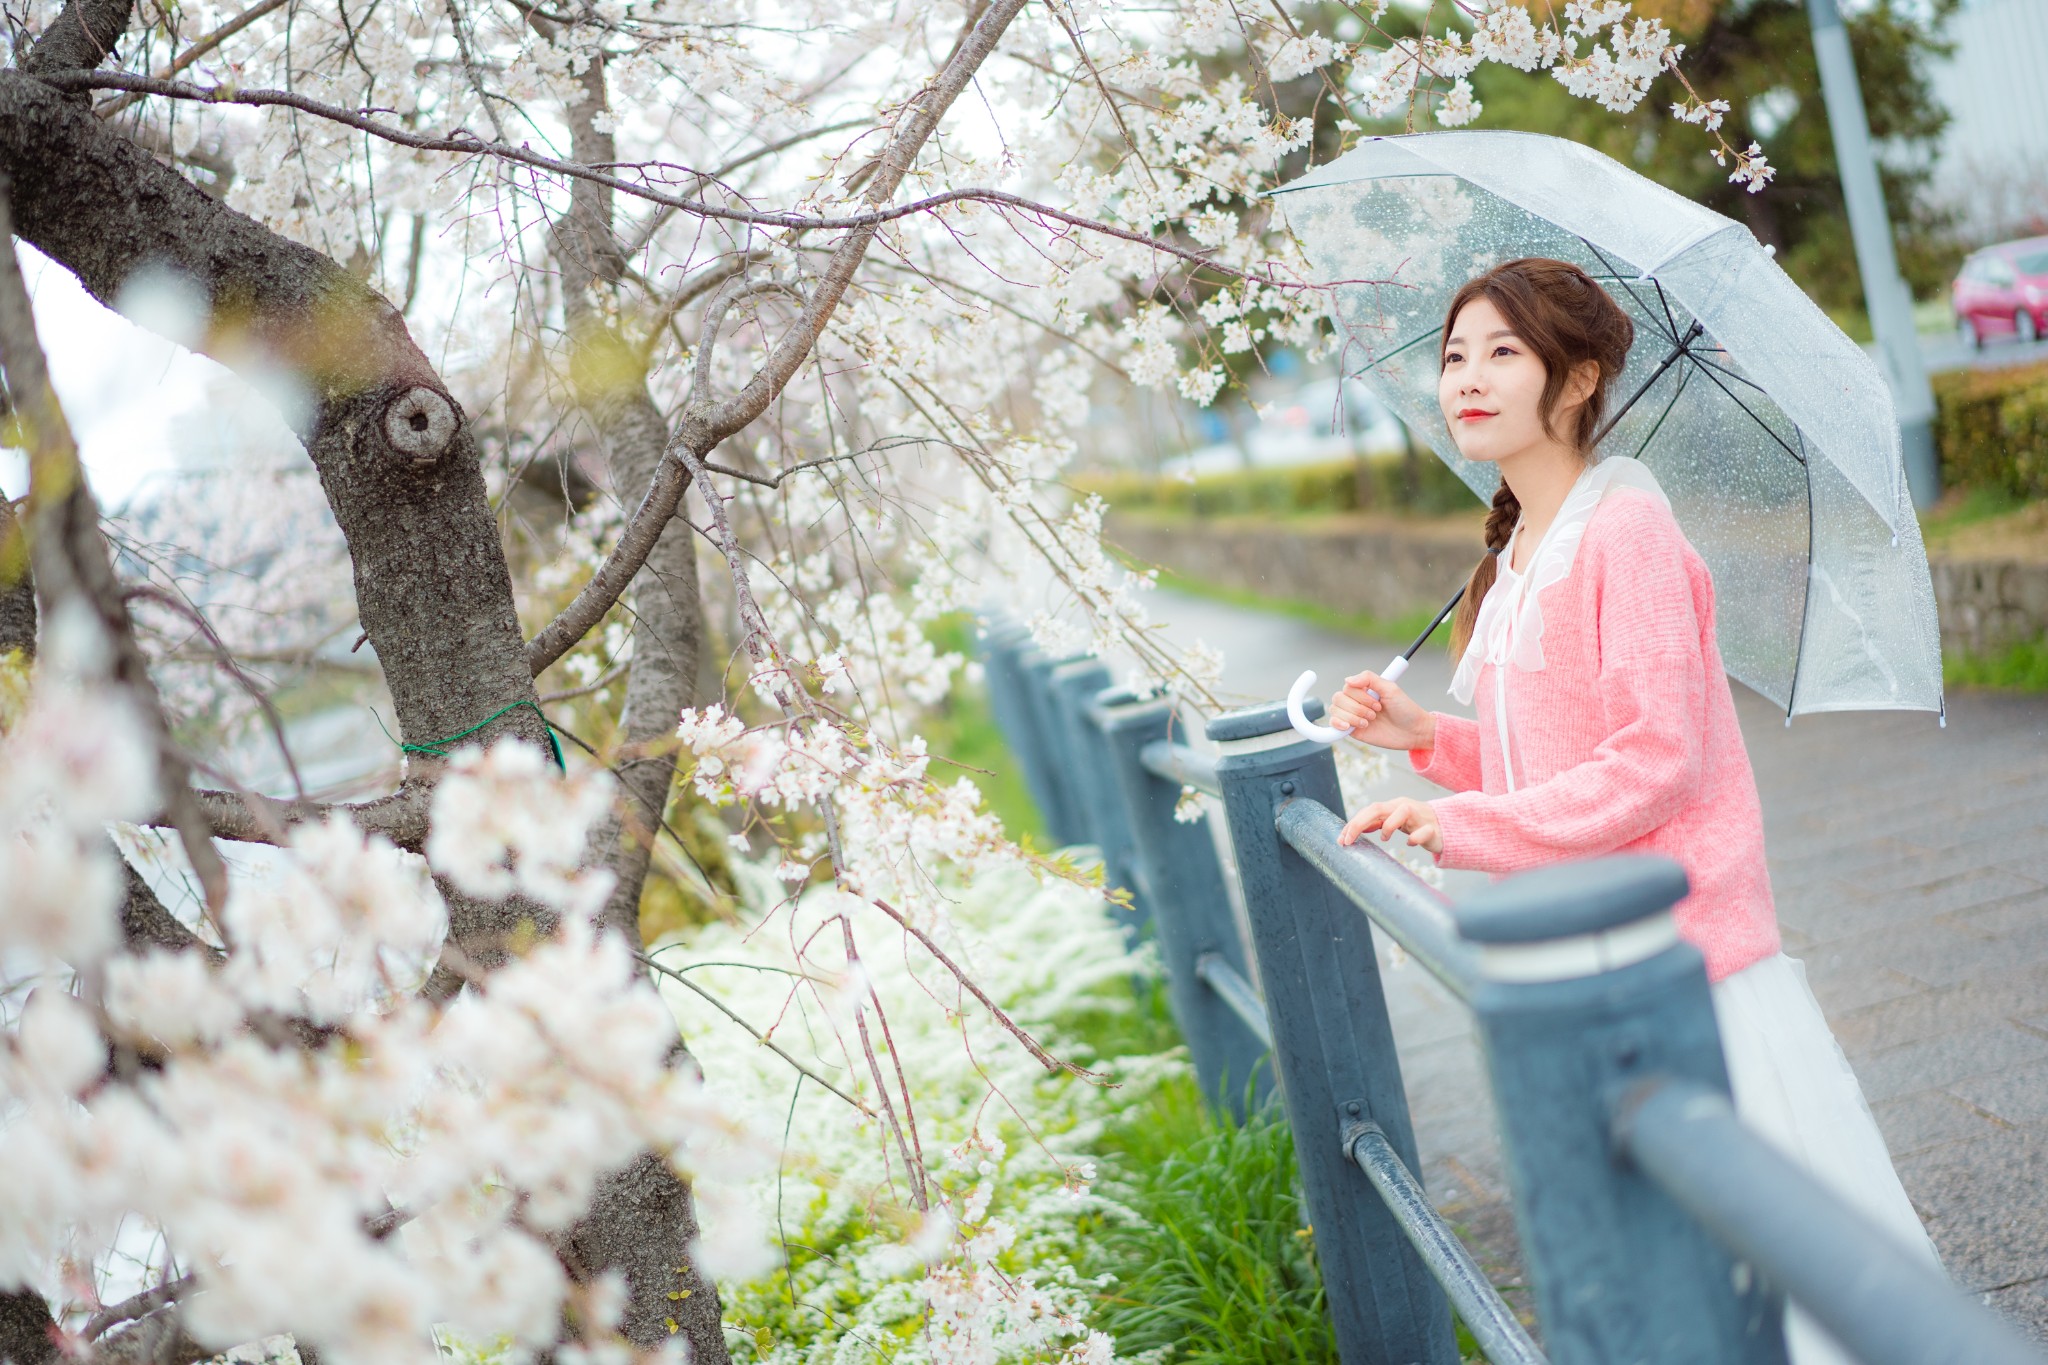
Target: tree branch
400	817
468	145
395	455
763	1039
199	48
81	38
705	424
139	1305
70	556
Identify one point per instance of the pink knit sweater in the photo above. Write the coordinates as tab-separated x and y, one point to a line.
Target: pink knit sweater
1625	741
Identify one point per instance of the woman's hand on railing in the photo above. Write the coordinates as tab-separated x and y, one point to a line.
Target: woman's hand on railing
1371	708
1416	819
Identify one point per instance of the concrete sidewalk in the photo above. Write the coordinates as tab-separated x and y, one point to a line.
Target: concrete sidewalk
1910	865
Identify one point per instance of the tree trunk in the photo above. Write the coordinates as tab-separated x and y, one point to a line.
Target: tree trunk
17	586
27	1331
643	1220
394	454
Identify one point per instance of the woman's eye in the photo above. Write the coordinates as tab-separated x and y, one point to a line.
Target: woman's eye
1503	350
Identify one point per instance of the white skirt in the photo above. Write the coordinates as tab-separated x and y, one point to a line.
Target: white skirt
1794	1087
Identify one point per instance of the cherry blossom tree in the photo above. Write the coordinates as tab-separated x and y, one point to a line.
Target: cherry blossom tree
812	295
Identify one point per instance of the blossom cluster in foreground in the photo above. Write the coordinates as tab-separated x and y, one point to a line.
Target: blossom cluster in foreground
276	1113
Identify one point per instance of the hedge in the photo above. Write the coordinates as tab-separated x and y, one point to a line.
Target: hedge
1386	483
1991	427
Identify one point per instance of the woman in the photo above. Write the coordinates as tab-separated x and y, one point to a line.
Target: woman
1605	722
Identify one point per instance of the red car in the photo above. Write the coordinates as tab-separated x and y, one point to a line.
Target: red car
2003	291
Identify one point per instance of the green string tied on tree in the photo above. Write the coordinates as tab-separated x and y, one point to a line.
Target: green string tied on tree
439	748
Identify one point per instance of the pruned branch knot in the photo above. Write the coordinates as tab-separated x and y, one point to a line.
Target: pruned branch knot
420	423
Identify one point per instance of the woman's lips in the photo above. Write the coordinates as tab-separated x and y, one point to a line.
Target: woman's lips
1473	414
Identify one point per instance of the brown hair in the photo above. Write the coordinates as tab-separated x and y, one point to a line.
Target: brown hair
1567	319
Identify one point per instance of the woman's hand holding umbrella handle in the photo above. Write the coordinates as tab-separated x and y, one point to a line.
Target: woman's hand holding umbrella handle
1371	708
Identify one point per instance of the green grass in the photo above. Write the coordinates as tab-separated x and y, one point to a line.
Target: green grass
1967	507
963	737
2020	668
1217	1266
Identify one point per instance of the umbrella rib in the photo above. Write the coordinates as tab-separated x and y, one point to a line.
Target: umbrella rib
1684	378
1805	599
1663	302
1671	333
1708	370
1738	378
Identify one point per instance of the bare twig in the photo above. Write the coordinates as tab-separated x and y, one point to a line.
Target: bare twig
913	1170
221	652
199	48
729	293
1045	1059
759	1036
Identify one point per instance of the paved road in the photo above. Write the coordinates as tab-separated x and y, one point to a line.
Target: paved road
1910	865
1945	351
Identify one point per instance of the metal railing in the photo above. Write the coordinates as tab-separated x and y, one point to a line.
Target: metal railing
1655	1226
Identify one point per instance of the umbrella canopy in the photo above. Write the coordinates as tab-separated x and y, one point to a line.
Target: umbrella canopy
1771	431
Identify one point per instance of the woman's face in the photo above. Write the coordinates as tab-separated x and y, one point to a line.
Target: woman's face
1491	388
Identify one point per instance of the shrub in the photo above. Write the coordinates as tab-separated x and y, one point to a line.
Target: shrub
1388	482
1992	429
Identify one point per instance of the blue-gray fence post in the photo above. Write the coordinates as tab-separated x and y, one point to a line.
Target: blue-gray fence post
1181	885
1075	686
1004	645
1064	819
1586	992
1333	1044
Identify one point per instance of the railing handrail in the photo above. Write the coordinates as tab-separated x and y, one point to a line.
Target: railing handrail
1895	1310
1407	909
1180	763
1233	990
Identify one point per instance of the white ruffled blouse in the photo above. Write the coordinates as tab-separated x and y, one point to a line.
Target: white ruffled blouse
1510	625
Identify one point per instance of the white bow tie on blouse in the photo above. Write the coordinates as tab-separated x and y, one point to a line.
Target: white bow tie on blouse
1510	624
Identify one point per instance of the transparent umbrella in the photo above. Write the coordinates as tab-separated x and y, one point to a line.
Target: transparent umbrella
1770	430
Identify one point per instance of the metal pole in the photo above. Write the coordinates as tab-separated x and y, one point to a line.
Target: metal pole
1333	1044
1884	292
1586	993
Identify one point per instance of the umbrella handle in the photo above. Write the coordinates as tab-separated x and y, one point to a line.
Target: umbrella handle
1327	734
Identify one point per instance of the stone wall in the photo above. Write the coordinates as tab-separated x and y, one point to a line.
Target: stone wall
1387	569
1372	566
1987	606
